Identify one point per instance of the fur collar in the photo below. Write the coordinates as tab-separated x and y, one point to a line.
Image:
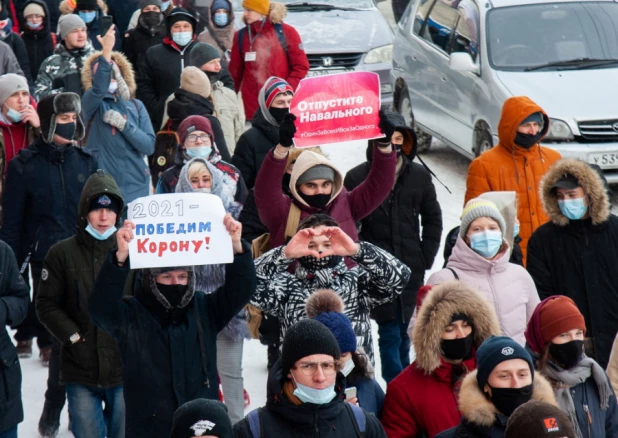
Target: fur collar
126	70
278	12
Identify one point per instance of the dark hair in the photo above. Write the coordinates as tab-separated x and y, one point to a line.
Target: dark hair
317	220
362	369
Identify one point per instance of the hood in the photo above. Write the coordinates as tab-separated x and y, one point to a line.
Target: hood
514	111
441	303
265	113
98	184
159	304
465	259
305	162
222	35
476	408
22	19
126	70
408	149
592	183
507	205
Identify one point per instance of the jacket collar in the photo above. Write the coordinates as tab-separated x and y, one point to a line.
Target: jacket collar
444	372
51	152
167	41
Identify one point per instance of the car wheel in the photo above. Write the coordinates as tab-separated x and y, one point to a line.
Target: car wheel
484	141
423	140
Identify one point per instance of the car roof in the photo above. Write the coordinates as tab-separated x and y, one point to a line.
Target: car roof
506	3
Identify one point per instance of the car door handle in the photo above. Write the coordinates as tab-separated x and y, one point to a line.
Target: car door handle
443	78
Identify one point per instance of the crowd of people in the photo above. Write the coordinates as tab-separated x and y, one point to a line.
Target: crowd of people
515	335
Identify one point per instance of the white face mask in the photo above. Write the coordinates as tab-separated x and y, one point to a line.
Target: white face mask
113	86
348	367
203	190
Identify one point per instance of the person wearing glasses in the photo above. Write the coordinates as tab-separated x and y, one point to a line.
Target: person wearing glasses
306	392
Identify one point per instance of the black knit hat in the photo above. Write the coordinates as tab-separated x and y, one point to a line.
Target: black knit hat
201	53
537	419
145	3
179	14
202	417
86	5
305	338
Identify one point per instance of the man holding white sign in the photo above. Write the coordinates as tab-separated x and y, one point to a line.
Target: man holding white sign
167	332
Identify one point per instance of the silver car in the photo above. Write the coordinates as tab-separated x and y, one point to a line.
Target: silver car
456	61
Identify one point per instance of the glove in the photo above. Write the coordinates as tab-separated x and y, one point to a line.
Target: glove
287	129
115	119
389	121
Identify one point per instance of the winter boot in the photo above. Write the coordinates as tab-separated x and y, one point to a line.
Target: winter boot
24	349
50	421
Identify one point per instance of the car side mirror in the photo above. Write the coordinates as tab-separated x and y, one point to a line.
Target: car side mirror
462	61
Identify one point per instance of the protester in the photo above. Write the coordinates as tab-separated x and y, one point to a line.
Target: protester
166	8
167	332
120	135
159	72
91	11
61	72
536	419
480	259
453	321
15	298
71	267
219	27
122	11
199	417
14	41
149	31
8	61
395	226
516	164
254	144
575	253
504	380
319	246
38	38
305	392
51	8
266	47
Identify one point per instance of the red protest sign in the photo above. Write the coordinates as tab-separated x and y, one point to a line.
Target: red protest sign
337	108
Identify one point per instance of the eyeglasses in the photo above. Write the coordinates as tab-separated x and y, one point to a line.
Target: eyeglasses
193	138
310	368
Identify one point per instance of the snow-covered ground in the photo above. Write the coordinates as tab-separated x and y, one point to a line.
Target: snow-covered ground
450	167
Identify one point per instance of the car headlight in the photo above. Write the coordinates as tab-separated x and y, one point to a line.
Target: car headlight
559	130
379	55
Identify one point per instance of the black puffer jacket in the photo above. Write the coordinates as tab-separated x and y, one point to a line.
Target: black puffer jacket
19	49
137	41
395	226
39	43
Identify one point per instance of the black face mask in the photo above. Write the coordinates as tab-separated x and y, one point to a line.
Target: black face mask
213	76
316	201
457	349
278	113
286	182
506	400
66	130
567	355
526	141
173	293
314	264
151	19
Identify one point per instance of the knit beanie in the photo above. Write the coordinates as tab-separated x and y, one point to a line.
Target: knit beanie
144	3
273	87
558	316
34	9
495	350
194	80
262	7
305	338
68	23
104	201
534	117
202	417
194	123
11	83
476	208
86	5
538	419
180	14
220	4
201	53
326	306
321	171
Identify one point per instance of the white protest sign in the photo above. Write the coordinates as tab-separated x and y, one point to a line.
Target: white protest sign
179	229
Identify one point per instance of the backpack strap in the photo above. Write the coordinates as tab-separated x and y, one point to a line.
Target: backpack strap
254	423
241	38
293	220
281	36
454	273
359	419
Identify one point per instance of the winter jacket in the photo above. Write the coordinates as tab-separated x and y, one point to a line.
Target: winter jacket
395	226
220	37
578	258
44	185
422	399
8	60
229	113
39	43
121	153
70	270
480	418
252	227
52	13
280	417
345	207
283	295
15	298
508	287
271	59
122	10
18	47
160	347
137	41
13	138
133	22
369	393
508	167
60	72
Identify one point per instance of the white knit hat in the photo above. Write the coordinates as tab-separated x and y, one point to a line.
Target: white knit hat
476	208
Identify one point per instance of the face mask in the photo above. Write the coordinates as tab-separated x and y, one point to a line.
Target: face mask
457	349
567	355
526	141
220	19
486	243
182	38
574	209
315	396
173	293
113	86
98	235
213	76
165	5
15	116
203	190
348	367
278	113
6	29
516	230
88	17
315	264
199	152
66	130
34	26
151	19
506	400
317	201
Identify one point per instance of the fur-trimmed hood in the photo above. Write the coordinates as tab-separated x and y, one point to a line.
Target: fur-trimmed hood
441	303
476	408
278	12
589	180
126	70
68	6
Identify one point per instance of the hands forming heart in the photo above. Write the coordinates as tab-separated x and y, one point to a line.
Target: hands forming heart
340	244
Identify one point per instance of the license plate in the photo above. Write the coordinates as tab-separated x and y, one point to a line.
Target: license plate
607	160
325	72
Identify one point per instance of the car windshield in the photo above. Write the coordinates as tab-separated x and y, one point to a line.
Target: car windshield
319	4
553	36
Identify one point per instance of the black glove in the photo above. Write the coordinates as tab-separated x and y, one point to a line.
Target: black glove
389	121
287	129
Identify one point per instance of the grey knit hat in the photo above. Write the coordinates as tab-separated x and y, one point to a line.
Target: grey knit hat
145	3
476	208
11	83
68	23
201	53
321	171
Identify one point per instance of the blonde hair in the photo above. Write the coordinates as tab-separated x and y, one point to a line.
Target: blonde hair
196	169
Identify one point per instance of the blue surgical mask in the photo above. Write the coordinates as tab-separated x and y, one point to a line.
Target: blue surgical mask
199	152
220	19
516	230
182	38
98	235
15	116
574	209
315	396
165	5
87	16
34	26
486	243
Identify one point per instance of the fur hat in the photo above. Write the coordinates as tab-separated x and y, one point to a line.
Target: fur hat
494	351
202	417
127	90
305	338
326	306
476	208
538	419
50	106
11	83
194	80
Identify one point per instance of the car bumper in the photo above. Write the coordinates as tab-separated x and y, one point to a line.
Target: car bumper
604	155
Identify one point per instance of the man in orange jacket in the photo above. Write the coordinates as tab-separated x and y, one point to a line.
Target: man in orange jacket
517	163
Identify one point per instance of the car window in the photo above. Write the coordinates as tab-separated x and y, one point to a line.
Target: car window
437	27
466	35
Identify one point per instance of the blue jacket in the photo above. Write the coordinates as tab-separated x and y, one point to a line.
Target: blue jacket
120	153
370	395
604	423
